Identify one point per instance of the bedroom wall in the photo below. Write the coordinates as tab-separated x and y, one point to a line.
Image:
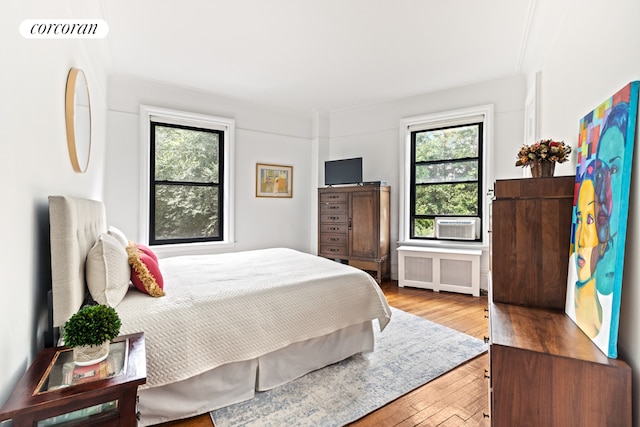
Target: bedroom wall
34	163
371	132
263	134
578	72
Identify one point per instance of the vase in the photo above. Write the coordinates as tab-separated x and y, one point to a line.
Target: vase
542	169
86	355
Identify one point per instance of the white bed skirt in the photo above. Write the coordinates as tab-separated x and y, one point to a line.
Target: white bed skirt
237	382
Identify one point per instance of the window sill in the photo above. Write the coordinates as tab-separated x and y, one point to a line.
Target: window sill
436	244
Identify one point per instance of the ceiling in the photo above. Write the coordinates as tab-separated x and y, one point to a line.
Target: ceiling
323	55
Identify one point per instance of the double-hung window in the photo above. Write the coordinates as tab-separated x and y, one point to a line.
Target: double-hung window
445	162
188	179
186	184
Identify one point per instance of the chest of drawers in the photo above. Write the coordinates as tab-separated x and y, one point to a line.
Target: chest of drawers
353	226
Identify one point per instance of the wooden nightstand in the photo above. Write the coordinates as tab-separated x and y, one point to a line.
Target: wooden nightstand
55	392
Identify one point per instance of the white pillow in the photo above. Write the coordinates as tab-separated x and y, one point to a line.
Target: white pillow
108	271
115	232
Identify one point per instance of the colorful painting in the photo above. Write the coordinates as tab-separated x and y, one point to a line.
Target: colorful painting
600	210
274	181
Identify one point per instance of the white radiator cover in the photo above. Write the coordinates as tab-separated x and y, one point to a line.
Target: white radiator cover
453	270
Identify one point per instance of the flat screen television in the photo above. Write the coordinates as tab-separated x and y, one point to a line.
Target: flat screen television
344	171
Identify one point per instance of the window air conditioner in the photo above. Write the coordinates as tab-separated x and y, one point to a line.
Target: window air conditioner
458	228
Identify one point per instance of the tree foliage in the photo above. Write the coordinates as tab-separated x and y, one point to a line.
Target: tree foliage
446	144
446	175
188	182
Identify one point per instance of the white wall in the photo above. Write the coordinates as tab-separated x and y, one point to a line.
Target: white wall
371	132
263	135
34	163
594	55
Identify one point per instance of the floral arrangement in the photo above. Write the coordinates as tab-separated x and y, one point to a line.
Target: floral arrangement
546	150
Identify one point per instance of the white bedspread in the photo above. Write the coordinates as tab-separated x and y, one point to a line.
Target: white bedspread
238	306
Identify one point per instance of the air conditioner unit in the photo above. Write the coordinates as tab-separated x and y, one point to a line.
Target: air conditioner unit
458	228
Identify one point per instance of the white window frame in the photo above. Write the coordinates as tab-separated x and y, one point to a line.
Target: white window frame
409	124
165	115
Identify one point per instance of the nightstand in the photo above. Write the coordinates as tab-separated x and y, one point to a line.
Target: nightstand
54	391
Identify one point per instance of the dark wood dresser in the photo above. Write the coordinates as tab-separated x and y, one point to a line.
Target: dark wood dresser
353	226
544	371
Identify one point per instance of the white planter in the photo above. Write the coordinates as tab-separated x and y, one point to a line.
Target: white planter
90	354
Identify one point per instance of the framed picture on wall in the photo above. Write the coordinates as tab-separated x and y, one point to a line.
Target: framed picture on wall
274	180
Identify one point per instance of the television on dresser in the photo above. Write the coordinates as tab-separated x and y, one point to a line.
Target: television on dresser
343	171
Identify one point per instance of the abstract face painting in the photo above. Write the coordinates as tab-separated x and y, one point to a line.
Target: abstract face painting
601	199
587	305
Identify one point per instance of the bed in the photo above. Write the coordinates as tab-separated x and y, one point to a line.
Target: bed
229	324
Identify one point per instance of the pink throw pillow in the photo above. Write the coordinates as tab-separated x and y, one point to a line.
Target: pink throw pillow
147	251
145	271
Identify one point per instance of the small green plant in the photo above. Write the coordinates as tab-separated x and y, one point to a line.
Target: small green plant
92	325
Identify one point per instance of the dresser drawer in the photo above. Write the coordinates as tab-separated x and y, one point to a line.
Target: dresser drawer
333	250
333	217
333	228
333	197
333	207
333	239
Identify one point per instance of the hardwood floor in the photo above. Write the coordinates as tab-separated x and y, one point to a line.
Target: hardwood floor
458	398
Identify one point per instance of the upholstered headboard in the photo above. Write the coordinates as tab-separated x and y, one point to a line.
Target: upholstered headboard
75	225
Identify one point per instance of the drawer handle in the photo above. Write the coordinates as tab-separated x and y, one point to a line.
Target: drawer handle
334	228
334	197
334	207
333	250
334	217
486	374
486	340
334	239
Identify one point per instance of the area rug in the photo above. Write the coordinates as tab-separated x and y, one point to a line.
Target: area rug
410	352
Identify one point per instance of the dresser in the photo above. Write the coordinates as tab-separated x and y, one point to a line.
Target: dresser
543	370
353	227
530	230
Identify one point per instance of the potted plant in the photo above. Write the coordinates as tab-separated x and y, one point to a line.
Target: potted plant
89	332
543	156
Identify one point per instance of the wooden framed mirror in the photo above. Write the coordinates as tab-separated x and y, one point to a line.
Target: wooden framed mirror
78	120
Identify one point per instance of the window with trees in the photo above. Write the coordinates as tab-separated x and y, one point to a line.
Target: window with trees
446	175
186	175
187	184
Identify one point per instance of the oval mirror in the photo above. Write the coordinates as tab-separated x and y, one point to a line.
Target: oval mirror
78	120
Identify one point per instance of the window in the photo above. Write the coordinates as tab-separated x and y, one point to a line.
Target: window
445	162
188	197
186	184
445	171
